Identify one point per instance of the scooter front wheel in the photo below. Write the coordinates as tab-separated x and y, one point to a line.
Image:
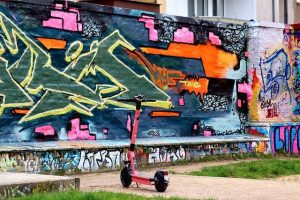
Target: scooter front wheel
125	177
160	183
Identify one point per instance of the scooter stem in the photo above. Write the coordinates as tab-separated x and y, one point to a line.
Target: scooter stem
134	129
131	153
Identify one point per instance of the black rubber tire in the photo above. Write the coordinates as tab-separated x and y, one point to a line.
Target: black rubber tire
160	183
125	177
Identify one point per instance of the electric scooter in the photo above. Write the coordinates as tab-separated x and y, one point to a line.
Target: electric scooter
130	172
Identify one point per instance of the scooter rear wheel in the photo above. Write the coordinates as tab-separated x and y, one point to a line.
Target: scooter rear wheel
125	177
160	182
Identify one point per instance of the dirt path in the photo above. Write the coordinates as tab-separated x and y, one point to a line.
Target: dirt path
192	187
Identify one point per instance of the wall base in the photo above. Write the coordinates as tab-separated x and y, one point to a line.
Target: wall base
97	156
20	184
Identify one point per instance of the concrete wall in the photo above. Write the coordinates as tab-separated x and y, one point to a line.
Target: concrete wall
101	159
63	71
274	74
265	13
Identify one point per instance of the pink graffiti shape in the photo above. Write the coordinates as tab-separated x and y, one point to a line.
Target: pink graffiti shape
247	54
247	89
84	126
105	131
79	132
195	127
295	145
46	130
184	35
207	133
128	125
214	39
181	101
239	103
58	6
65	20
149	23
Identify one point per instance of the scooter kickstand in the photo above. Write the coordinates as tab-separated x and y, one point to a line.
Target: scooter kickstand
137	185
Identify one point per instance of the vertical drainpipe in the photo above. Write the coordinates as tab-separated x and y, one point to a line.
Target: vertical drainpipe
285	12
209	10
196	8
273	10
254	10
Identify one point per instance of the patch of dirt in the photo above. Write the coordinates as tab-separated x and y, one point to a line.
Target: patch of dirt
184	169
199	187
295	178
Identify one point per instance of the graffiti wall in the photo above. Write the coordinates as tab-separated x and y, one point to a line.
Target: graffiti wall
273	68
95	160
284	137
65	65
274	76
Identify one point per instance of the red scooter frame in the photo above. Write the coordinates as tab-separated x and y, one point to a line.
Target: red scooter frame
130	172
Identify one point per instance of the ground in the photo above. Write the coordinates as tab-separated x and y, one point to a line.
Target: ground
192	187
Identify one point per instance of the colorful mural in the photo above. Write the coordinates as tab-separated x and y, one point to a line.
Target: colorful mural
66	64
275	78
92	160
273	108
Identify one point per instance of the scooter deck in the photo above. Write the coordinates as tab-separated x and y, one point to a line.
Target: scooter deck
147	180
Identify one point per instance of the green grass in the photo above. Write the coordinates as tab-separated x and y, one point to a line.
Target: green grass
77	195
260	169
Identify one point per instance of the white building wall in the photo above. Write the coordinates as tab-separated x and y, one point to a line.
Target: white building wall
237	9
177	7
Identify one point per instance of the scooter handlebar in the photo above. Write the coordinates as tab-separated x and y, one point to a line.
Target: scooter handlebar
134	100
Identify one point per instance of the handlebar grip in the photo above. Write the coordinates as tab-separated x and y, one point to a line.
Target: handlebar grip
149	100
126	100
134	100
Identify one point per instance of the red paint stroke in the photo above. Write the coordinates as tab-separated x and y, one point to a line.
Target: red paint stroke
255	132
164	114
